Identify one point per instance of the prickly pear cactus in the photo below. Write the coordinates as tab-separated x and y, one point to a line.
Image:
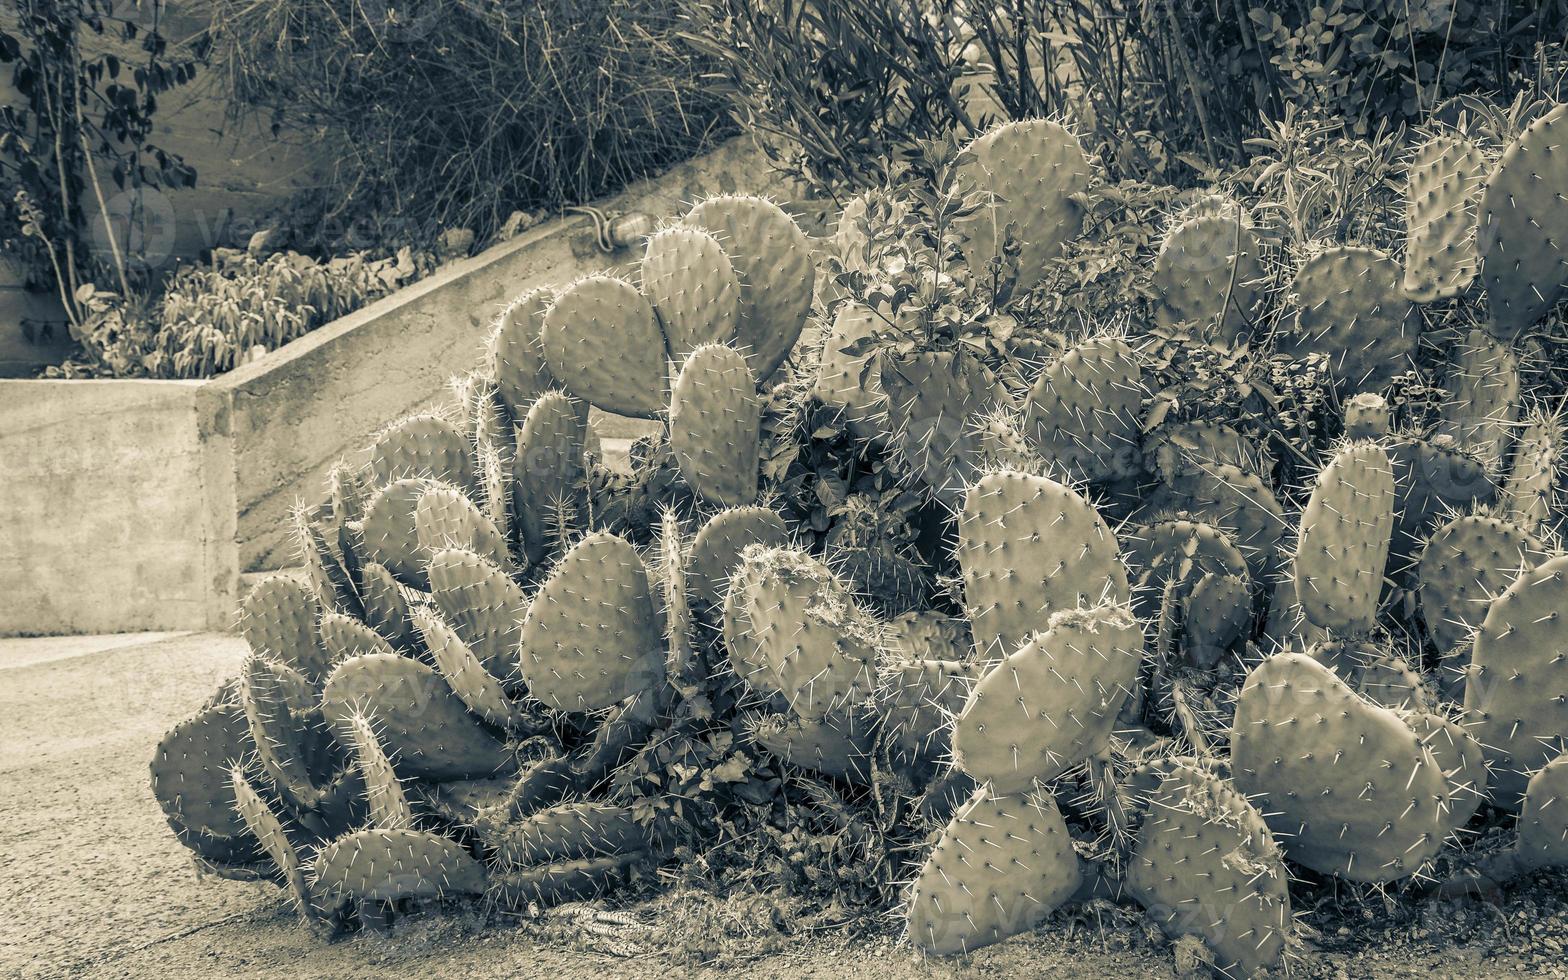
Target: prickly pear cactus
1366	416
693	286
515	354
715	425
1209	274
1466	562
1515	692
386	805
715	553
390	865
1345	533
839	744
1029	547
568	832
918	701
264	825
426	447
1443	183
1523	223
1432	478
1530	491
463	672
390	533
278	620
1483	398
1344	784
1053	703
386	606
445	518
1236	501
932	400
481	604
344	637
190	778
1462	760
1033	172
1003	864
1082	413
1351	309
601	338
290	737
548	473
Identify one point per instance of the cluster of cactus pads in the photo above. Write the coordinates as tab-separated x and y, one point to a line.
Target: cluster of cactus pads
1157	669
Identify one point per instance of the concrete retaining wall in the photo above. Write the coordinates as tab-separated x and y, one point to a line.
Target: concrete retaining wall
137	504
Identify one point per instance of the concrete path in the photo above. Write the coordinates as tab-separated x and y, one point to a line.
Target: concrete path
92	884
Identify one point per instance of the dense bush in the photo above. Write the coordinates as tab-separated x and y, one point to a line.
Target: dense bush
1161	89
456	112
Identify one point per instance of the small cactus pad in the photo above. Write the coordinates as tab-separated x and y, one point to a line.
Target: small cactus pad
548	472
385	802
390	865
564	881
1206	865
742	645
1082	413
446	518
569	832
1523	225
481	604
386	607
1208	266
691	283
1432	478
1029	547
1345	784
422	447
1531	489
1033	173
1352	311
931	404
715	424
1366	416
601	338
464	674
425	729
1345	533
390	534
773	260
1237	501
344	637
818	646
716	551
1002	865
1543	826
1443	183
1465	564
278	620
1516	694
843	380
1218	612
919	699
839	744
1053	703
190	778
1483	398
1462	760
516	355
591	638
265	826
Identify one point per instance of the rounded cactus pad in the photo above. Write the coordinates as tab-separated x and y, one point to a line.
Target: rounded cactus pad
1543	818
278	620
742	645
426	447
1351	310
390	865
1082	413
1366	416
445	518
1531	488
591	637
344	637
1432	478
1467	562
391	534
693	286
844	381
1209	274
1462	760
1344	784
715	553
1523	225
190	779
919	699
1206	865
1029	547
548	472
715	425
424	728
1002	865
1053	703
817	645
516	354
602	339
1444	181
1032	173
1516	694
772	259
476	687
1346	529
1483	398
1218	612
839	744
933	398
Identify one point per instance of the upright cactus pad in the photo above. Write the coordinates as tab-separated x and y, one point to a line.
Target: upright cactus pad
1001	867
591	638
423	726
1207	865
1082	413
1033	173
601	338
1351	309
548	474
1432	478
190	779
1462	760
481	604
344	637
278	620
445	518
715	424
1366	416
932	403
287	730
516	354
693	286
1443	183
1237	501
1530	491
742	644
391	865
1053	703
716	551
918	702
1516	694
1344	784
264	825
1483	398
1523	225
1543	828
772	259
819	648
425	447
1218	612
385	802
386	607
1468	561
390	533
1345	533
839	744
1209	274
1029	547
475	686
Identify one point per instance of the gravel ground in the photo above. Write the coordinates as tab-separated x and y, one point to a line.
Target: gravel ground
93	885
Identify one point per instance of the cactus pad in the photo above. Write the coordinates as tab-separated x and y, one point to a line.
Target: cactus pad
839	744
278	620
482	605
1444	181
716	551
569	832
1345	533
1352	311
465	675
548	473
445	518
390	534
1033	173
190	778
715	423
1082	413
931	404
425	447
1483	398
1466	563
391	865
601	338
1523	225
693	286
515	353
1207	266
